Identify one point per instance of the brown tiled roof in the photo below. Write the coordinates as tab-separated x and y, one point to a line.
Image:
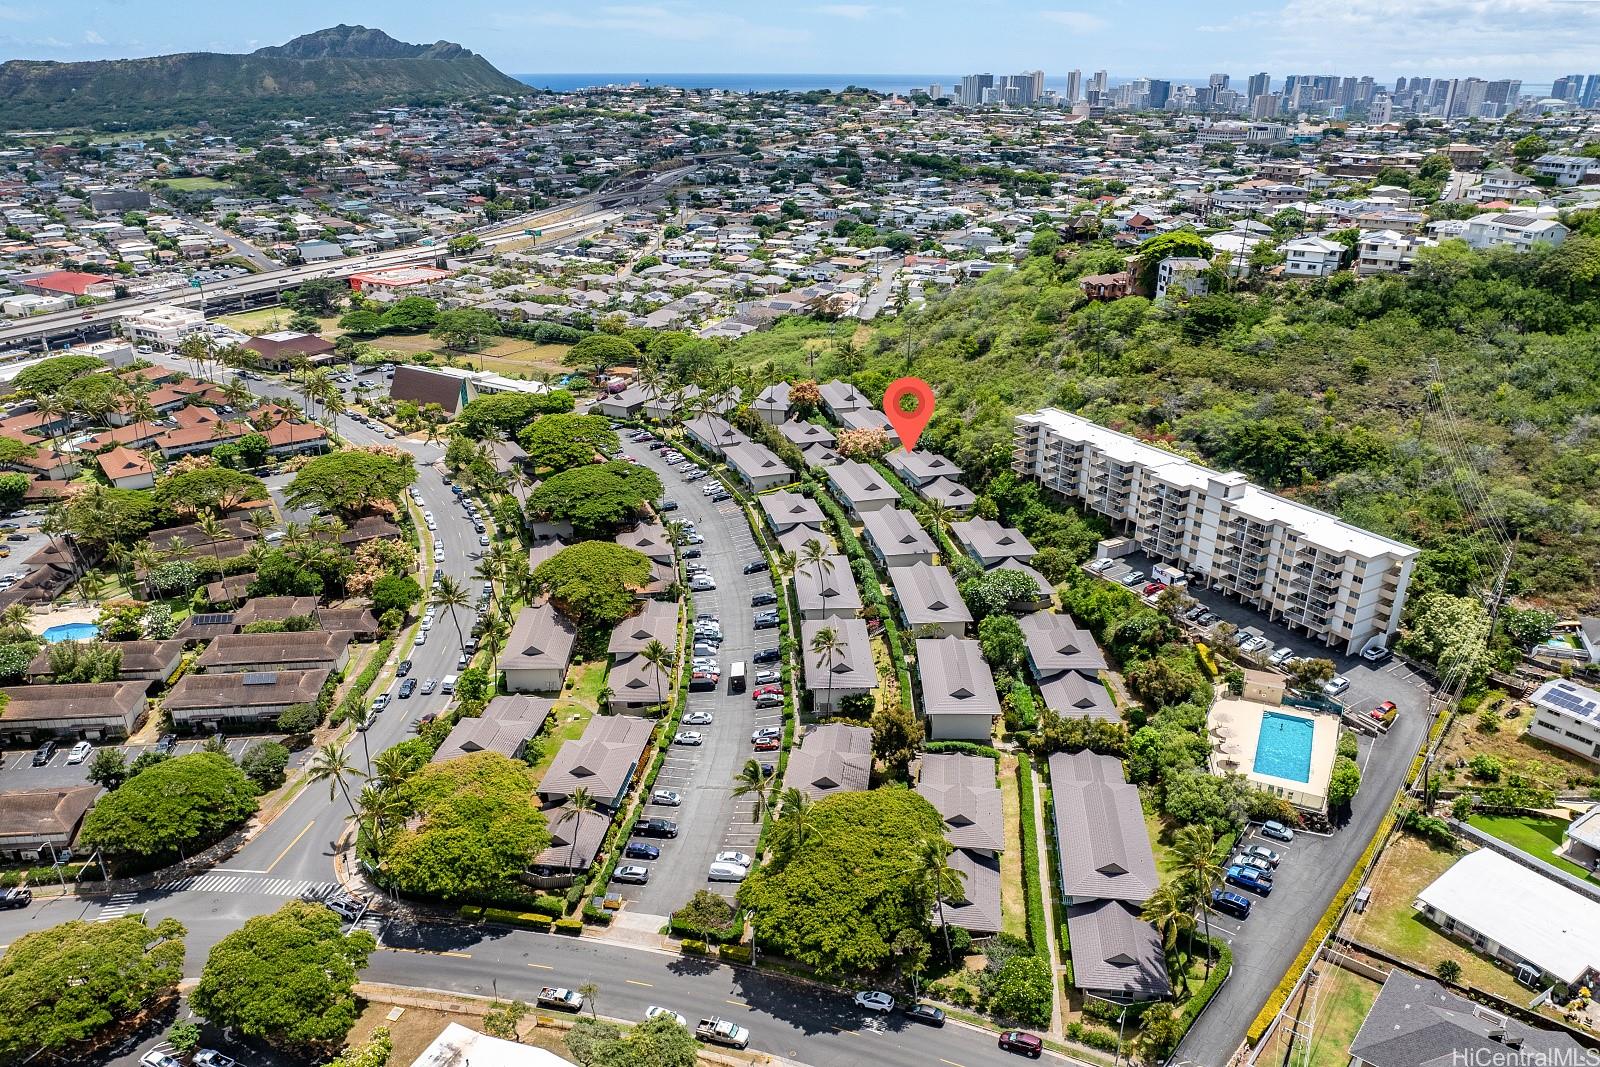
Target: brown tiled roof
268	688
426	387
307	646
33	816
601	761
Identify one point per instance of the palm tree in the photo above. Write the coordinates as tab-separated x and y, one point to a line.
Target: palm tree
393	766
814	554
15	618
381	808
363	716
661	660
1199	859
938	878
215	533
451	594
785	564
1171	912
753	781
795	811
577	804
939	516
330	762
260	521
826	646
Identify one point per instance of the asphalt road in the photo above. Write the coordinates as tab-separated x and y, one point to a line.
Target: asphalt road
710	820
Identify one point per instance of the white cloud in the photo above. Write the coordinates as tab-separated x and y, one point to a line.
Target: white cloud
846	11
91	37
1076	21
14	14
666	23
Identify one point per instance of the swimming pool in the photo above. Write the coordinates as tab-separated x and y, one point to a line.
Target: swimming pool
72	631
1283	748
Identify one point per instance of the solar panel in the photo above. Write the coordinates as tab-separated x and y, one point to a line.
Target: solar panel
215	618
261	678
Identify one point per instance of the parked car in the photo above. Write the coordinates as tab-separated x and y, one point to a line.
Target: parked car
1281	656
767	677
702	583
689	738
697	718
1020	1041
638	850
1263	853
765	620
727	872
1248	878
926	1014
561	999
166	744
759	600
44	754
1133	578
741	858
1230	903
668	505
79	753
631	874
16	898
1336	685
755	566
210	1057
875	1000
1382	710
766	731
1375	654
155	1057
669	797
1276	830
1152	588
768	744
657	828
1262	868
766	691
655	1012
1100	565
766	655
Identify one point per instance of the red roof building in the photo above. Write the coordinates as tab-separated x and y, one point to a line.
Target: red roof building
395	278
72	283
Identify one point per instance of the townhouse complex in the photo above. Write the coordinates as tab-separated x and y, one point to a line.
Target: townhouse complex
1305	568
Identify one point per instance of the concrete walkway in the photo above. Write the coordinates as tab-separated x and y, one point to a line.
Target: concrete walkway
1058	969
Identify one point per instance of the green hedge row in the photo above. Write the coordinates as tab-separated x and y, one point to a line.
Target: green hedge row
1033	893
963	748
1219	973
872	594
735	953
1280	995
692	948
532	920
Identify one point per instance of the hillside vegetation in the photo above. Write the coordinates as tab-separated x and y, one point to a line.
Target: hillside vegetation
1386	401
332	72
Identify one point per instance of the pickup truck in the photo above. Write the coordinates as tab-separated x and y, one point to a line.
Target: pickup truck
561	999
722	1032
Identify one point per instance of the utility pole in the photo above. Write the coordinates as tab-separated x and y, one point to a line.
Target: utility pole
1497	598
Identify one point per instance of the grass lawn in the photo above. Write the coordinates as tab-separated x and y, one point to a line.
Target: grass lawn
265	320
1013	905
573	710
1537	837
1342	1004
1408	866
193	185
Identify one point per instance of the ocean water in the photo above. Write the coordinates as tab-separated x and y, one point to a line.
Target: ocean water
745	83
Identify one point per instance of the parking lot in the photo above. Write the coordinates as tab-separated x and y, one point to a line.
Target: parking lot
709	819
31	541
18	772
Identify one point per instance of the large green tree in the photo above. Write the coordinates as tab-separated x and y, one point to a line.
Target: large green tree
475	825
600	352
592	582
287	978
557	442
172	809
49	375
65	984
350	482
598	499
464	329
508	413
840	897
208	488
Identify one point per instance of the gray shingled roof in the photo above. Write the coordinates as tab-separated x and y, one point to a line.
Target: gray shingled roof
989	542
1078	696
927	594
244	650
896	533
859	484
786	509
574	840
852	665
952	495
812	581
804	434
602	760
978	910
1056	643
961	789
955	679
648	539
1115	951
657	621
1415	1022
831	759
503	727
754	460
840	396
542	638
921	465
1100	834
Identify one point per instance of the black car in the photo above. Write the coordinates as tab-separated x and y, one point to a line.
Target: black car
766	655
691	553
719	496
758	600
404	668
755	566
44	754
925	1013
16	898
668	505
638	850
766	620
656	828
16	537
408	687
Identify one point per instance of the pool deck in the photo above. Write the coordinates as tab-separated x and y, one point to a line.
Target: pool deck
39	623
1235	728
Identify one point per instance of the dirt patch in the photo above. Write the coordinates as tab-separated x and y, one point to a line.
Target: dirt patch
1543	766
416	1028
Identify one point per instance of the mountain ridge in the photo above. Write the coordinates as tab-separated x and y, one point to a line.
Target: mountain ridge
340	67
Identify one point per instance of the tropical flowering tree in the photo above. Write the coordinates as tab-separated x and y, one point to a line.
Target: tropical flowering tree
865	444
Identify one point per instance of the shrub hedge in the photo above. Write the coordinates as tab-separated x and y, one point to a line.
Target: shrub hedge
1219	973
569	926
691	947
964	748
533	920
1280	995
1033	893
735	953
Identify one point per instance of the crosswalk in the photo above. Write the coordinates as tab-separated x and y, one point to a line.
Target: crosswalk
116	907
222	882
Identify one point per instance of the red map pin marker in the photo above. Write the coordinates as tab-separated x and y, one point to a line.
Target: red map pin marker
908	424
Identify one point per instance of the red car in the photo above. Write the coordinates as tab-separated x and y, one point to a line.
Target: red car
766	691
1021	1041
1154	588
768	744
1382	710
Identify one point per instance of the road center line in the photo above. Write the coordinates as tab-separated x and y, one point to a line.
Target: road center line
279	858
542	966
737	1003
647	985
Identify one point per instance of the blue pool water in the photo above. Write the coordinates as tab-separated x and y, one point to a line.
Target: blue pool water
1283	748
72	631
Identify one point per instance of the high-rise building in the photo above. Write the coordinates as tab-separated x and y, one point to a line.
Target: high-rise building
1503	93
1347	92
1074	86
1364	90
1265	106
1099	82
1590	97
1218	81
973	86
1399	86
935	91
1260	85
1381	109
1035	86
1568	88
1159	93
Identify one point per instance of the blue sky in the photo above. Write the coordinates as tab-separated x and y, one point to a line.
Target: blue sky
1532	39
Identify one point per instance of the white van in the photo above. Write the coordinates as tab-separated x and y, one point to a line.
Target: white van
449	684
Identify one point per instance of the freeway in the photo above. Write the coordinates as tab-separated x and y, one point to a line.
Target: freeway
570	219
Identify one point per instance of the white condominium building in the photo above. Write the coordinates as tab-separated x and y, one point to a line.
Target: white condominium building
1305	568
162	324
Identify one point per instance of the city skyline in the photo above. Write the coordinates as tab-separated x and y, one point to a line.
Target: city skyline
1535	41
